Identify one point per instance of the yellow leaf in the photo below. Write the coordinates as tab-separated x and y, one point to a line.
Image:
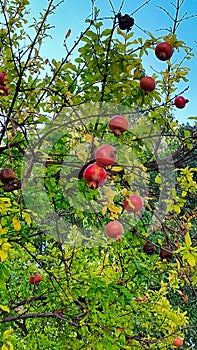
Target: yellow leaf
6	334
184	193
17	225
4	308
119	31
3	256
158	180
10	345
2	230
5	247
88	137
82	155
27	218
191	260
4	347
104	210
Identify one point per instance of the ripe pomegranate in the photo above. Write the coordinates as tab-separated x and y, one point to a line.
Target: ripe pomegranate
2	78
105	155
114	229
31	279
133	204
118	124
4	90
7	175
147	84
164	51
180	102
178	342
35	279
94	176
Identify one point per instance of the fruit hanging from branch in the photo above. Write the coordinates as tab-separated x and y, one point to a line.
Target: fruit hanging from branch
7	175
147	84
94	176
114	229
105	155
178	342
166	253
163	51
3	80
180	101
118	124
35	279
149	248
133	204
125	22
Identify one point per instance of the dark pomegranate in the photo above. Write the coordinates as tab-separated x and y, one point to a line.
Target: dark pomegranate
7	175
125	22
180	101
147	84
164	51
94	176
166	253
149	248
118	124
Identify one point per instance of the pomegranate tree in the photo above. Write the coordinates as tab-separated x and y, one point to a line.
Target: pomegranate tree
94	176
105	155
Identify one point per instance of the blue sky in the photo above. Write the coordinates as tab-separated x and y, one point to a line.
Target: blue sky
72	14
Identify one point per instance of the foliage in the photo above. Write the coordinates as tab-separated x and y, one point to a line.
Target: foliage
96	292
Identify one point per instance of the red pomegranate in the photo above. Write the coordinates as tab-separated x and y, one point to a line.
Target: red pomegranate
94	176
2	78
147	84
163	51
133	204
35	279
105	155
118	124
178	342
114	229
180	101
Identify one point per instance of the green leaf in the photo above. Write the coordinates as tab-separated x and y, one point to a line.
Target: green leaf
188	241
106	32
